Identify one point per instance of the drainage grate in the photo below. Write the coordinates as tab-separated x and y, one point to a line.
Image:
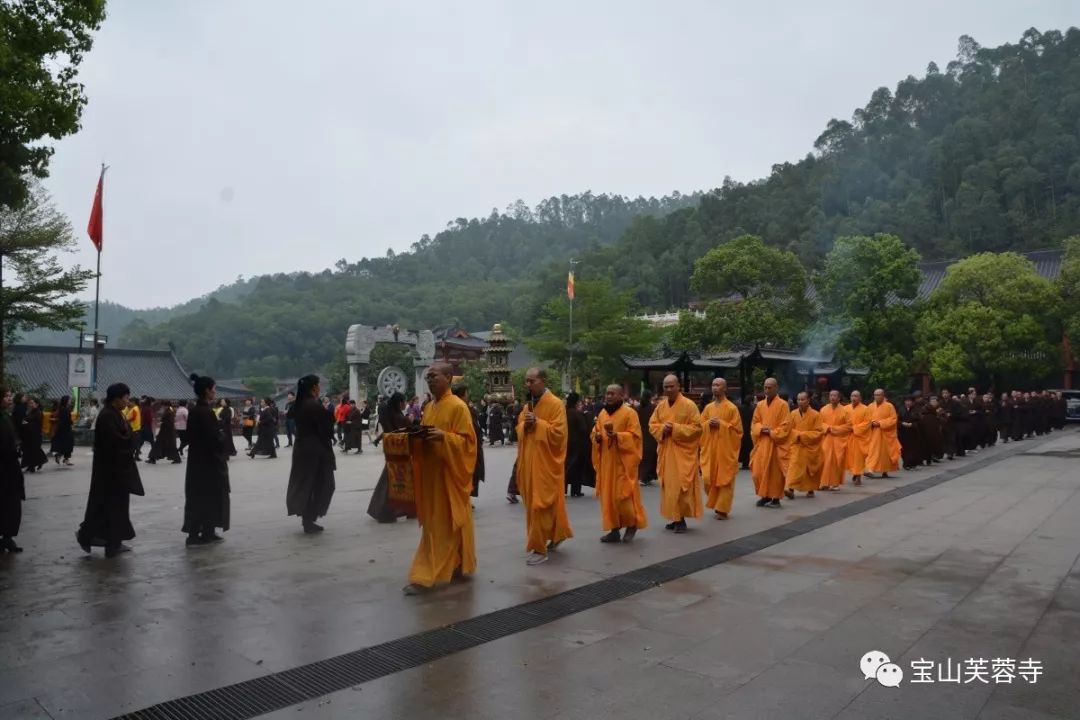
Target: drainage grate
266	694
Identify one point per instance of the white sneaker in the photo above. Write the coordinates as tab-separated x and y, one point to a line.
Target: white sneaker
535	558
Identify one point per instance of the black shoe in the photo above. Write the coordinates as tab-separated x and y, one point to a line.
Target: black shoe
85	546
117	550
212	537
577	494
611	537
177	462
312	528
774	503
789	494
680	527
628	536
8	545
762	502
671	526
151	462
194	539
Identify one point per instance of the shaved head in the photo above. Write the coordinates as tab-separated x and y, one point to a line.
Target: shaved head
438	377
771	387
671	387
719	389
856	396
613	394
834	397
536	381
803	399
879	396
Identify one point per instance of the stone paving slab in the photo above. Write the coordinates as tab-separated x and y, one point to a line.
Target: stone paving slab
85	637
791	648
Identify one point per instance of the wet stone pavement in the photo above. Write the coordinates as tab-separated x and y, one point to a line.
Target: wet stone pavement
982	566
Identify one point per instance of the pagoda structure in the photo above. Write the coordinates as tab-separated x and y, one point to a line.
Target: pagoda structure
499	386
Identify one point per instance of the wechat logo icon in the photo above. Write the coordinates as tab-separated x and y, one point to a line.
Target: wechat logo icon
875	665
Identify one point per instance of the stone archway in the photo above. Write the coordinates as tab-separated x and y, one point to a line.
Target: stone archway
360	340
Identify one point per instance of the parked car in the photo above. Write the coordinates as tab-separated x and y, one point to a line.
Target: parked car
1072	404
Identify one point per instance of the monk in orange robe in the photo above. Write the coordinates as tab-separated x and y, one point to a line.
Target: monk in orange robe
541	468
768	460
676	425
447	457
804	449
616	453
721	438
883	447
836	419
860	437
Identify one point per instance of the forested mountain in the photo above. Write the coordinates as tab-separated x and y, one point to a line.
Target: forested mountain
114	318
475	272
984	155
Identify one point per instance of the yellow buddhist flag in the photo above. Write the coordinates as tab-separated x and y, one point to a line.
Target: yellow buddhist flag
570	285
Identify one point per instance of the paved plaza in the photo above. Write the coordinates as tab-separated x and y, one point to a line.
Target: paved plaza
980	566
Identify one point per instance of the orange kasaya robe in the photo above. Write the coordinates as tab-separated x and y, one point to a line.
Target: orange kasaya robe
720	453
541	474
834	448
883	448
677	457
860	438
442	495
804	451
768	459
616	462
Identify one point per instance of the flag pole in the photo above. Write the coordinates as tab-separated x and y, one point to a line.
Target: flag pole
98	212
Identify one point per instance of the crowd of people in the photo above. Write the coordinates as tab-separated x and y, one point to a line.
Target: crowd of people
615	445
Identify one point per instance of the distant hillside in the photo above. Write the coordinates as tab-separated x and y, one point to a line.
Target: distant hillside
473	273
983	156
115	318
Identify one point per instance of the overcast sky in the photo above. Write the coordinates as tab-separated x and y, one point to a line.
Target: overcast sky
259	136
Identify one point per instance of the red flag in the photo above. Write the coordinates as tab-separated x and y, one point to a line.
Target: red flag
570	285
94	227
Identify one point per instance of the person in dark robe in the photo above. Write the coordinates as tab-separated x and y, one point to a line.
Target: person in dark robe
990	420
290	424
248	418
954	420
746	445
264	442
164	447
1028	416
30	435
63	439
1042	413
510	421
225	418
114	478
353	439
393	420
973	429
206	481
930	426
1004	417
1019	416
12	486
578	463
461	390
912	451
495	425
647	466
18	414
311	478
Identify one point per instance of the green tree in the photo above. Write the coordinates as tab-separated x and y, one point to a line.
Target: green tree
604	328
1069	287
261	386
992	315
756	293
39	291
475	378
866	288
43	42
